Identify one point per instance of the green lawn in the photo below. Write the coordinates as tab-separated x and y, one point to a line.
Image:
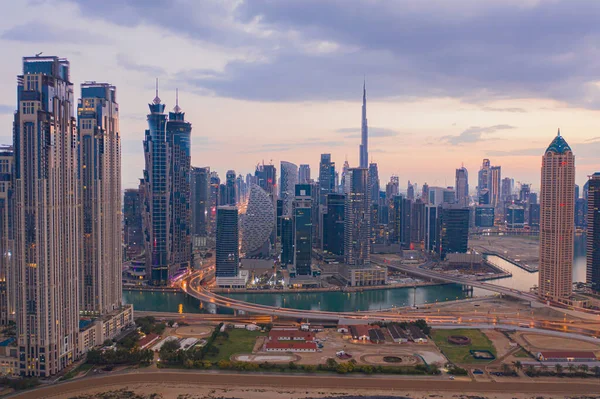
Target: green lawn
239	341
521	354
460	354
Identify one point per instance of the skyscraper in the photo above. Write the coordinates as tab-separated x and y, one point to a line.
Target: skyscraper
133	236
364	135
432	230
179	135
462	186
507	189
227	242
454	230
200	201
257	223
215	184
495	185
374	182
357	222
303	232
304	174
483	181
326	177
47	254
7	215
593	232
333	224
557	198
287	241
425	193
100	166
156	185
230	188
289	179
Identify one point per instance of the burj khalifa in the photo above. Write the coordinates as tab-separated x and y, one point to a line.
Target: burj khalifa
364	145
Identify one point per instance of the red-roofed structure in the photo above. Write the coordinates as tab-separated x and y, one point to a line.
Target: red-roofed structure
278	346
148	340
279	335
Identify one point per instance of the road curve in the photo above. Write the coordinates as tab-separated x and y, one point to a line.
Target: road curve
309	381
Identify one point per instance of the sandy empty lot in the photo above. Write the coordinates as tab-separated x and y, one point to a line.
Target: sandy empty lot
196	331
545	342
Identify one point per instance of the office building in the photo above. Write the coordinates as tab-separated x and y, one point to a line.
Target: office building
581	211
515	217
410	191
48	233
454	230
287	241
231	190
215	184
432	230
279	215
425	193
483	181
326	178
357	221
417	223
448	196
200	199
462	186
227	242
507	189
304	174
534	216
303	232
257	223
484	216
333	225
132	222
267	179
392	188
289	179
179	135
100	174
223	198
364	135
524	193
7	215
495	185
557	203
593	233
374	182
484	197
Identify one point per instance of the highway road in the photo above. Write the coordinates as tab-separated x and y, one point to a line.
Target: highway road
343	383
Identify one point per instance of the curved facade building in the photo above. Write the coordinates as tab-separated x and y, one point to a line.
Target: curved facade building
257	223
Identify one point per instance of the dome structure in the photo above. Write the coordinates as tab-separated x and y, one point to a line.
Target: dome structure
257	223
559	145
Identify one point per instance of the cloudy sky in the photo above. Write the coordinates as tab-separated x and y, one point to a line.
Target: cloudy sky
449	82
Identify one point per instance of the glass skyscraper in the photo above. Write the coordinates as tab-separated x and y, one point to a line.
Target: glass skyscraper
303	232
454	230
227	244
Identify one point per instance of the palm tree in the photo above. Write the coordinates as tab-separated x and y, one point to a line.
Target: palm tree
544	368
505	368
584	368
596	370
530	370
571	368
558	368
518	365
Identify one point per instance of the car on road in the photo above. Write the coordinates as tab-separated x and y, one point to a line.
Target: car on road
452	377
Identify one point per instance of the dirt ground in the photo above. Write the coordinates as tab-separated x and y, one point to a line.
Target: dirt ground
500	341
538	342
194	330
334	342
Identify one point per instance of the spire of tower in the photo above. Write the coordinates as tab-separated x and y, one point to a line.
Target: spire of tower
157	98
558	132
177	107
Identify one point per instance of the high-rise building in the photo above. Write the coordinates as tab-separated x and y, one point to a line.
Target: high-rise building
344	182
495	185
227	255
483	181
417	222
392	188
454	230
557	206
410	191
507	189
223	199
267	179
425	193
524	193
100	174
231	188
576	191
374	182
432	230
534	216
257	223
515	217
357	221
462	186
593	232
287	241
326	177
132	222
179	135
581	208
156	185
200	199
303	232
304	174
7	215
364	135
333	224
47	228
289	179
215	184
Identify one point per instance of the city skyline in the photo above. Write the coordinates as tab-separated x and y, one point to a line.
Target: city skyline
421	132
